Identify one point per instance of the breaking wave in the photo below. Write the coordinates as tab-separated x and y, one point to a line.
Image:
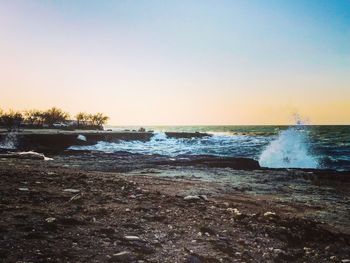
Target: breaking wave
289	150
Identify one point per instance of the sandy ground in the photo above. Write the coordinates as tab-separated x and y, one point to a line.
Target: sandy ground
51	213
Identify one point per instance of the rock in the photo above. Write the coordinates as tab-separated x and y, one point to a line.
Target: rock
192	197
123	256
70	190
82	138
234	211
269	214
345	260
204	197
186	135
120	254
23	189
132	238
26	155
50	219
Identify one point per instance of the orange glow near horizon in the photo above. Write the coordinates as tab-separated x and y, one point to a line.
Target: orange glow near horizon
173	65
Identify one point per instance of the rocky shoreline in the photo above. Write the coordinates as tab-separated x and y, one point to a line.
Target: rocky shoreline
55	211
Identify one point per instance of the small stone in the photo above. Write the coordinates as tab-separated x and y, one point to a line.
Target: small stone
127	210
23	189
81	138
191	197
269	214
69	190
345	260
50	219
132	238
120	254
234	211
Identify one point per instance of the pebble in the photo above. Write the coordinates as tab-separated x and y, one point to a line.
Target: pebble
345	260
234	211
69	190
191	197
50	219
23	189
269	214
121	254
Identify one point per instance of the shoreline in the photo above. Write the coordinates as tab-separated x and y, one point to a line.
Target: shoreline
52	140
52	213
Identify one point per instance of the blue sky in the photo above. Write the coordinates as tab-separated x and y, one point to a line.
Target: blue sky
200	62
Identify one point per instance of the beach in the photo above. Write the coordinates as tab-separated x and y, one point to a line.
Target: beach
88	206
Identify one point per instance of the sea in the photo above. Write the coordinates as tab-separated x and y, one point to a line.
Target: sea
295	146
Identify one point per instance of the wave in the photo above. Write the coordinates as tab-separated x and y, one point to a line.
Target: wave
217	145
289	150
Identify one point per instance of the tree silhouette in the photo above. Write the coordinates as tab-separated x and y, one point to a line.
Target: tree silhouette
55	115
11	119
82	118
99	119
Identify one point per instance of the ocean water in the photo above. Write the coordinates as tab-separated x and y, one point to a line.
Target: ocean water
299	146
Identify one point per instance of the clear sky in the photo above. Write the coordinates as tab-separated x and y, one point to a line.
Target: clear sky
179	62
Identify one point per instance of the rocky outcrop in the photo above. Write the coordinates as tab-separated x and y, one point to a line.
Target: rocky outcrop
60	141
214	161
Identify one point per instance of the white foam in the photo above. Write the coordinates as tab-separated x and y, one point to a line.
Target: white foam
9	141
289	150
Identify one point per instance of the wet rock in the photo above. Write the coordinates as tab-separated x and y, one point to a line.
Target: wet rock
186	135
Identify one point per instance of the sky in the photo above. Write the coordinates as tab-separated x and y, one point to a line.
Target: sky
180	62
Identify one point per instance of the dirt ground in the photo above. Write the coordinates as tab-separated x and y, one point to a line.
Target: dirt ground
59	214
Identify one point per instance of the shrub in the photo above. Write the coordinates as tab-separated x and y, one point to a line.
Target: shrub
11	119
